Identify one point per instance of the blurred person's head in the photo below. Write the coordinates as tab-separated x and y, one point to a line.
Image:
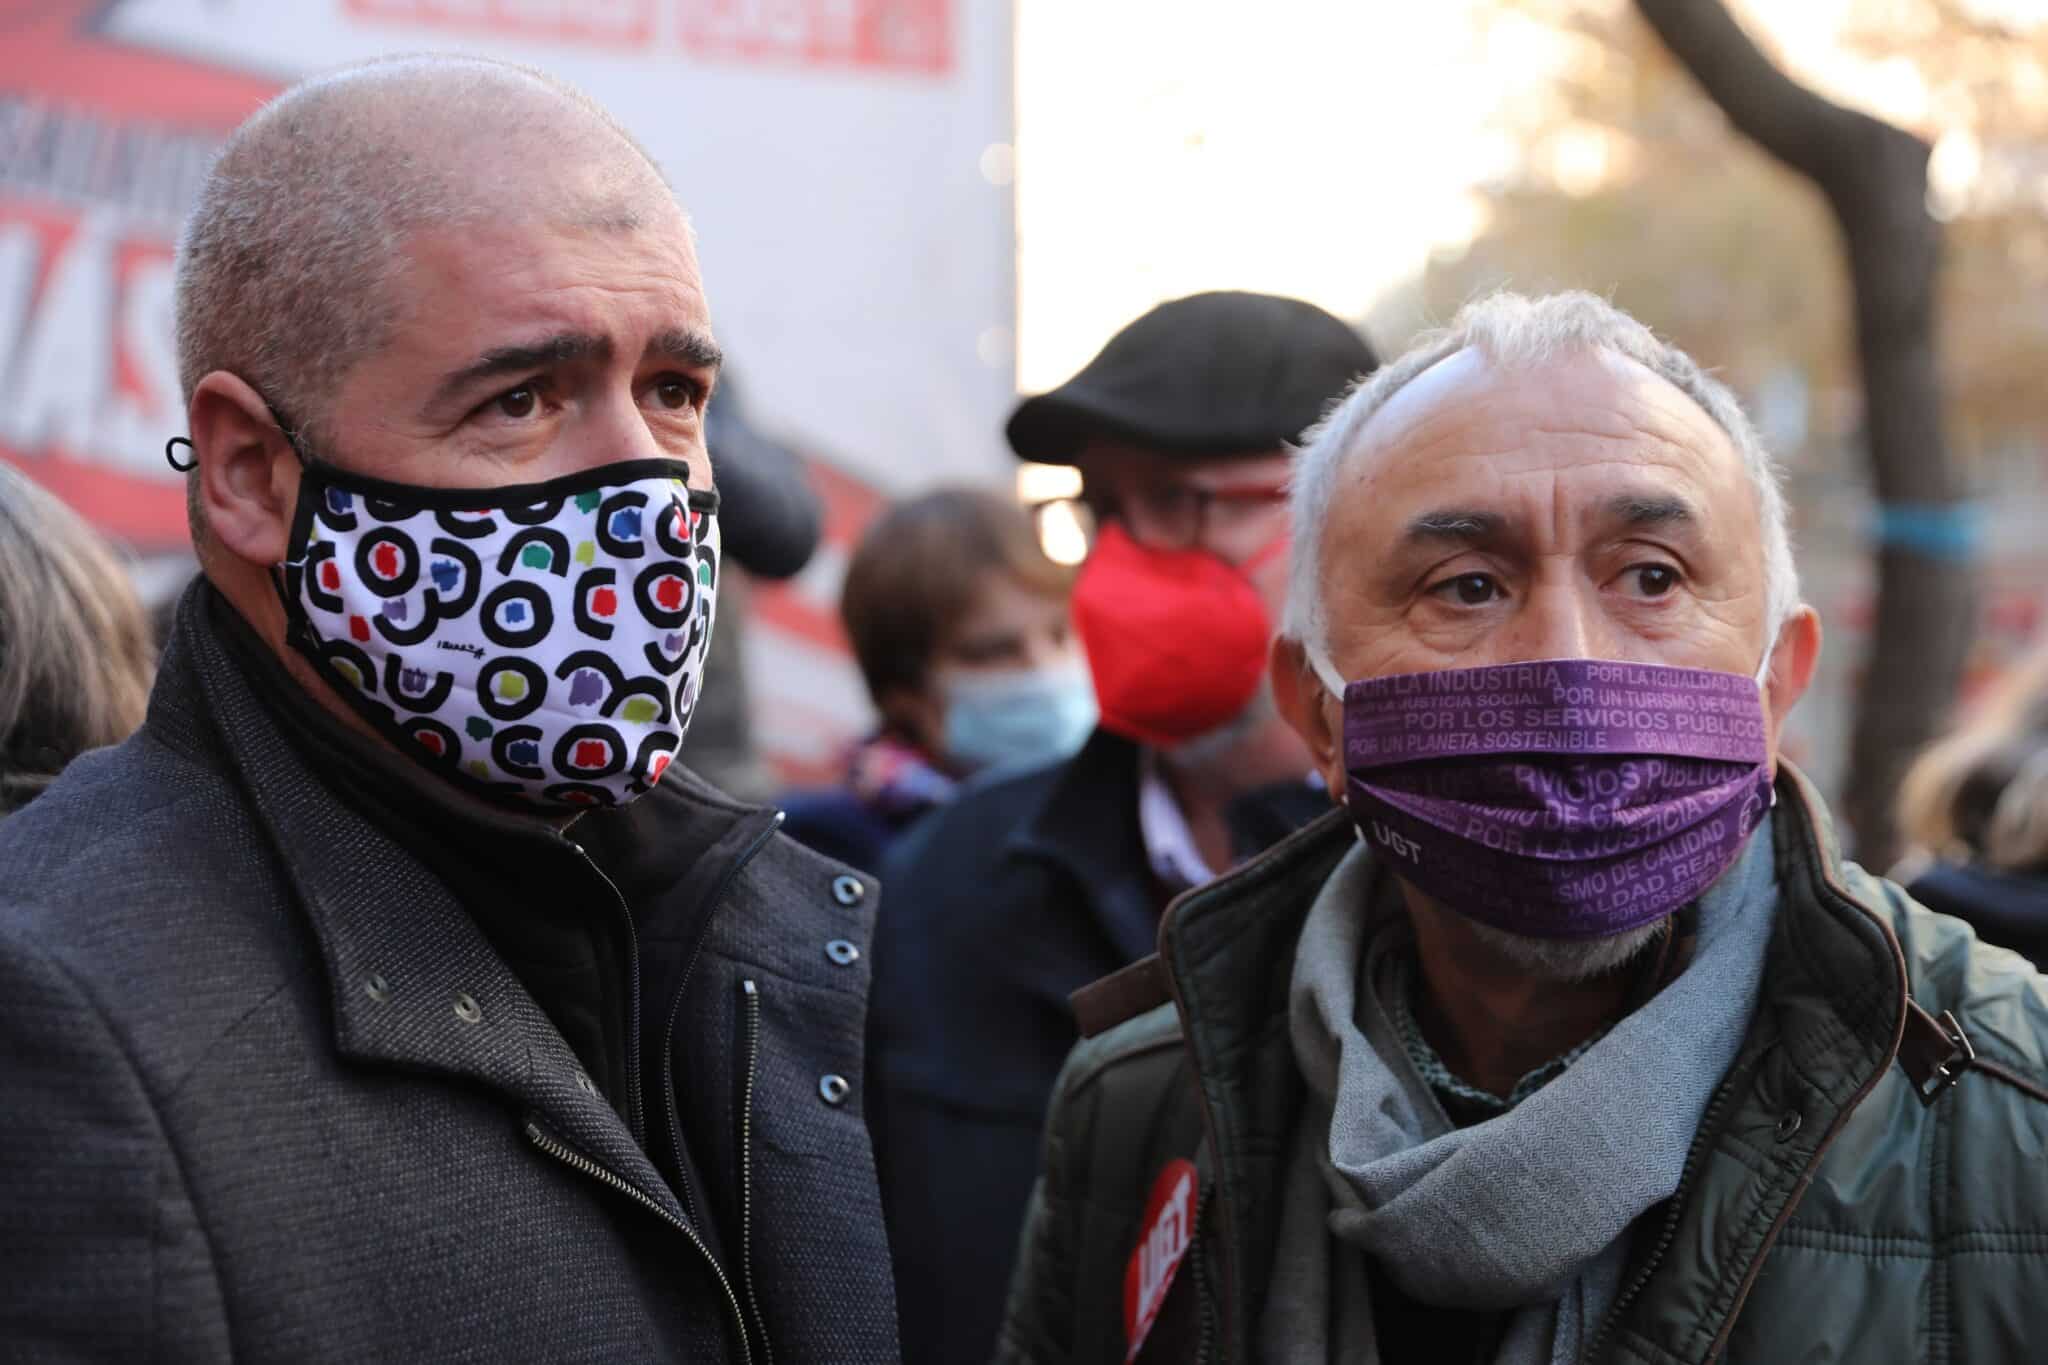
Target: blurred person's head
1980	794
1181	429
1545	481
408	286
75	654
960	625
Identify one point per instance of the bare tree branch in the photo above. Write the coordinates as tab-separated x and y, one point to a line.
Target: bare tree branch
1874	178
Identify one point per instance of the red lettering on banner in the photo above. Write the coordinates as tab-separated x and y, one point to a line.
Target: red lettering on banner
893	35
605	23
1165	1234
883	35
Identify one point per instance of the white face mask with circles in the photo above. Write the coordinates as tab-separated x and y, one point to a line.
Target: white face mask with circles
542	643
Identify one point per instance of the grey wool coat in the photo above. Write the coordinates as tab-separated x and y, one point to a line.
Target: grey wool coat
268	1094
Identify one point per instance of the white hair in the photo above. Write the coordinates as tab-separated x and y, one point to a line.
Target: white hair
1518	332
284	267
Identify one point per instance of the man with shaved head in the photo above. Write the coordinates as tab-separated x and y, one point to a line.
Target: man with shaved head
1569	1036
390	995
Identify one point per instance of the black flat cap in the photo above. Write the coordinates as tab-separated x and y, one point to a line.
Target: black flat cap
1212	374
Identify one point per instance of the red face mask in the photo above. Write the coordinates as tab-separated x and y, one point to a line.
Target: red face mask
1176	639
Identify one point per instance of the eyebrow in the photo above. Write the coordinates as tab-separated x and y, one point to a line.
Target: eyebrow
1459	524
567	348
688	345
563	348
1635	510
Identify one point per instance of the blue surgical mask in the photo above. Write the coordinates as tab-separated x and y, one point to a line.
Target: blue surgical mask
1016	718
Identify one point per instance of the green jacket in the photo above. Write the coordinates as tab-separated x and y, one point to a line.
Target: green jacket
1827	1212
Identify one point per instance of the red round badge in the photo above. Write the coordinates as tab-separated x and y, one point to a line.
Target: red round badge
1163	1239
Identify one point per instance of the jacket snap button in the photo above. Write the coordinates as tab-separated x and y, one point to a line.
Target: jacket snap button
1787	1126
842	953
467	1009
377	988
848	890
832	1088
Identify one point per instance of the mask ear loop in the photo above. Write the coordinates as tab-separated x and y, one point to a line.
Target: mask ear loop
1325	671
1763	670
1763	674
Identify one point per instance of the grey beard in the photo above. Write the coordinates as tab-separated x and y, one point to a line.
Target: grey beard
1204	750
1568	960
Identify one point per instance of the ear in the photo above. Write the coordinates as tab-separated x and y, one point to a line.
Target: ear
248	474
1793	661
1309	709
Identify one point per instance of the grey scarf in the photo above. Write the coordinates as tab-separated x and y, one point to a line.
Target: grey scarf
1527	1213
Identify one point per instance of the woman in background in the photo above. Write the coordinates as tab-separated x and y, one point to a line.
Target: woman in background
76	660
960	625
1975	805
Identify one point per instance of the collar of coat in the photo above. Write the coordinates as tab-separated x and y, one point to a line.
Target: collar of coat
414	983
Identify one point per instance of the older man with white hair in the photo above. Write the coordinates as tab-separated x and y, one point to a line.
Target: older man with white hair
1570	1036
390	996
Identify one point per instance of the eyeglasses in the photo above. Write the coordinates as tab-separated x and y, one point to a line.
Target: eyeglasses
1163	514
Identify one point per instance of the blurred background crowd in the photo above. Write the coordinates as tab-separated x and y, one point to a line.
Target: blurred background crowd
915	211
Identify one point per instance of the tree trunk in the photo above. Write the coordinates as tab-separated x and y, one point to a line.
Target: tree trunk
1874	178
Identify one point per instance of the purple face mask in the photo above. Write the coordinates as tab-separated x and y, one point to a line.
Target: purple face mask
1562	799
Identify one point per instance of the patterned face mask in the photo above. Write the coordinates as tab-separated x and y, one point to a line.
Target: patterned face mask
542	643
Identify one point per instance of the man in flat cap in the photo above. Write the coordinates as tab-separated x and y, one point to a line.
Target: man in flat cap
1036	884
392	995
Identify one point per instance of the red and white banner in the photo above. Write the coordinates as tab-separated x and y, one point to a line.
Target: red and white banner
829	152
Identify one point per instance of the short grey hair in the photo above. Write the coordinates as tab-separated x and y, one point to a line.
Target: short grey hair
284	266
1518	332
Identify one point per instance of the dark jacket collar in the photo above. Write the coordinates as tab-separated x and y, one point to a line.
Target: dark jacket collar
1087	826
1835	990
413	981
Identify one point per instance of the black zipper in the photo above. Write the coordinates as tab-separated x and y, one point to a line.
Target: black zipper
1206	1342
576	1161
636	1117
675	1009
751	995
1180	1007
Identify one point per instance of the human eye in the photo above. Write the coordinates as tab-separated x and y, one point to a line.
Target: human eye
1651	580
518	404
677	391
1472	589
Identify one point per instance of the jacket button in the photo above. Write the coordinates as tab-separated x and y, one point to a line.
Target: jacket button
832	1088
1787	1126
847	890
377	988
842	953
467	1009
